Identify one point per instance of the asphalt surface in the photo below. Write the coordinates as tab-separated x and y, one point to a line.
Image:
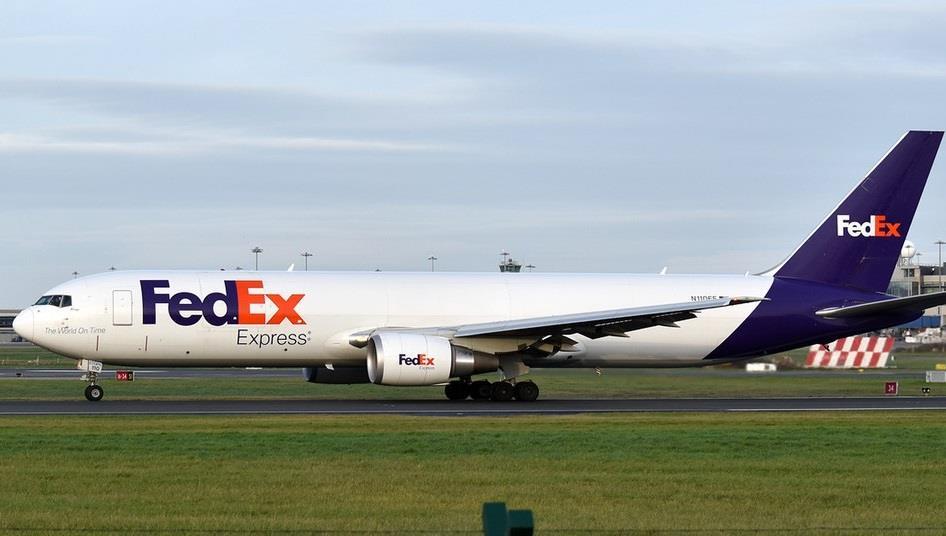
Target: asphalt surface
464	408
73	374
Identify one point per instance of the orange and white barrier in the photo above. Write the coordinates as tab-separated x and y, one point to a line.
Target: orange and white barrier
851	352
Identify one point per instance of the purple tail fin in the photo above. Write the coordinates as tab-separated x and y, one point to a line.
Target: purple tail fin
858	244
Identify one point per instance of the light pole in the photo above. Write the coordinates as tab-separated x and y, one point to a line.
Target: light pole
939	308
306	255
432	260
257	250
940	244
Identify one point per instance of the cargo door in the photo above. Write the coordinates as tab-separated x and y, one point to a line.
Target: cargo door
121	307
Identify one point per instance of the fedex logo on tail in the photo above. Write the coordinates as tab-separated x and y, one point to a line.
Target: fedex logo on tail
187	308
877	226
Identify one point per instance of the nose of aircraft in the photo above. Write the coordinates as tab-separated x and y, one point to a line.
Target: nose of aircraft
23	324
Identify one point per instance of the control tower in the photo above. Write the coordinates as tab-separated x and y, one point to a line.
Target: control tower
508	264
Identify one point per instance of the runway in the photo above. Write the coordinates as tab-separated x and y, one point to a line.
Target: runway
154	374
464	408
179	373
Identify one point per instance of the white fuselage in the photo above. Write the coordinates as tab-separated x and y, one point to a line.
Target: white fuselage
105	321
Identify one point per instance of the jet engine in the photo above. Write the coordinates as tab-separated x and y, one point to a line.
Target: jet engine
413	359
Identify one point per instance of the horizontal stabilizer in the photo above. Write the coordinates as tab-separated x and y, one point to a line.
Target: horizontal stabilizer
912	303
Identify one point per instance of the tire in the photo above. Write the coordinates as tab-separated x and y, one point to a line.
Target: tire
481	390
502	392
527	391
94	393
456	390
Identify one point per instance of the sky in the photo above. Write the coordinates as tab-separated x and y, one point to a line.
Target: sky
588	137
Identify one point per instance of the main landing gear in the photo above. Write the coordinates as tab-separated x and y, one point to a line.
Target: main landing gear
502	391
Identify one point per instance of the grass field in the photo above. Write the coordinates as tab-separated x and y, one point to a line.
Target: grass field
838	473
579	383
26	356
760	473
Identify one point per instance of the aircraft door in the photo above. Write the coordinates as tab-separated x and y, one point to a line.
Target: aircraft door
121	307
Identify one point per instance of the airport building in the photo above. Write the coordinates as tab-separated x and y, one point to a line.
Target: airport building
910	278
6	325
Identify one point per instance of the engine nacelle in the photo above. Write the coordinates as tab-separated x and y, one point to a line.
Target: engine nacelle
336	374
413	359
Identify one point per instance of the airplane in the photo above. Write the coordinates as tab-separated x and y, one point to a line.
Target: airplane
436	328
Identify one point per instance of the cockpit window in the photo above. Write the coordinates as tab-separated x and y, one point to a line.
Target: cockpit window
56	300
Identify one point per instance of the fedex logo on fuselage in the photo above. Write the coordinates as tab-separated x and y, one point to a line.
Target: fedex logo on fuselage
187	308
422	360
877	226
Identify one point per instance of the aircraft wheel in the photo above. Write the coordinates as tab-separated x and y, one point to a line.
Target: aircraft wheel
94	393
481	390
456	390
527	391
502	392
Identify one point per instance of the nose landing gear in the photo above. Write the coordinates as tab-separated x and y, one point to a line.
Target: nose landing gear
94	391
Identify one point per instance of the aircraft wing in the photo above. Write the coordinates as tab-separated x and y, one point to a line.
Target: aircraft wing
614	322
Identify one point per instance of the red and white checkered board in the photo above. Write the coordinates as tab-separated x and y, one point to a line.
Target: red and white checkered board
851	352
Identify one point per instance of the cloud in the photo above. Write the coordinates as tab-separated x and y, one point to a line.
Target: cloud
624	71
756	89
47	40
167	119
245	106
646	140
191	144
816	40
